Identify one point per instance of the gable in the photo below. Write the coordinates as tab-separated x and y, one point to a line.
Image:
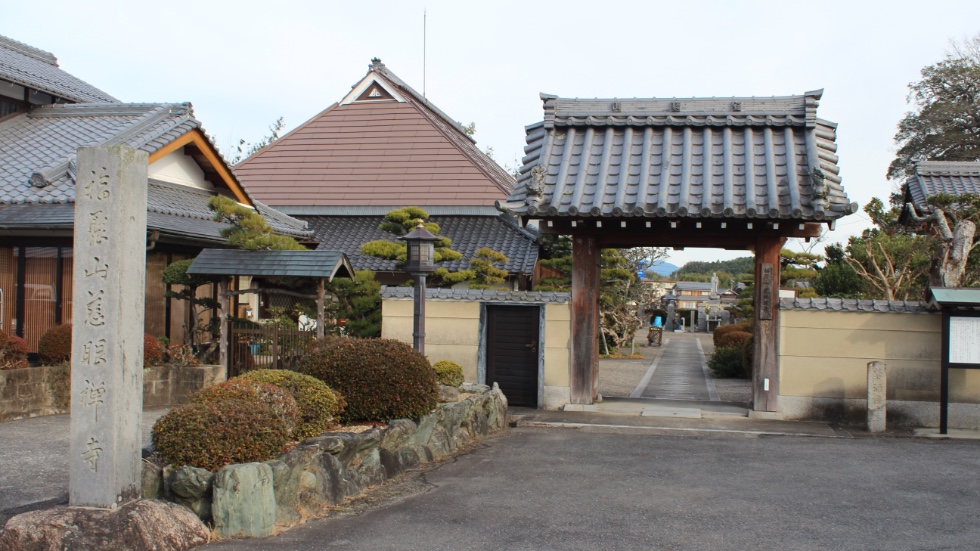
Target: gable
367	153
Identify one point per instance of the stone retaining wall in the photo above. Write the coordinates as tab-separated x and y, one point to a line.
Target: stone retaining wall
254	499
36	391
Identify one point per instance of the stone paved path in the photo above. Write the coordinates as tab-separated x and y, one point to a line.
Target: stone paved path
678	373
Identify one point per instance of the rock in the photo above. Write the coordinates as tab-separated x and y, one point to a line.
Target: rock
306	483
474	388
398	461
191	487
398	435
448	393
140	525
244	501
152	480
440	443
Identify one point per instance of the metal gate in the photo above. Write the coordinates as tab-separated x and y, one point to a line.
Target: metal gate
269	347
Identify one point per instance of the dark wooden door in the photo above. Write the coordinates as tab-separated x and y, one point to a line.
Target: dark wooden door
512	352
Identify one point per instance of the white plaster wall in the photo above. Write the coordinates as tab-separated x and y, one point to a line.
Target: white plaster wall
178	168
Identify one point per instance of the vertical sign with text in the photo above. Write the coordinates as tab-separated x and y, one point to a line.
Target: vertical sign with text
107	326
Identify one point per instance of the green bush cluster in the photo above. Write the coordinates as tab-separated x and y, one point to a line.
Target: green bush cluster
279	401
726	363
319	405
54	346
448	373
732	339
13	352
382	379
212	435
746	326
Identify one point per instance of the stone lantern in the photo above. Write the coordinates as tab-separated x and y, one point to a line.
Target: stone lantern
419	262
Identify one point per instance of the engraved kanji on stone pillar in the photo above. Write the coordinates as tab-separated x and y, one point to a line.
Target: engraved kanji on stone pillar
109	283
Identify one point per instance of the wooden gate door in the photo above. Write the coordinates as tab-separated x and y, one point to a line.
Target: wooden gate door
512	352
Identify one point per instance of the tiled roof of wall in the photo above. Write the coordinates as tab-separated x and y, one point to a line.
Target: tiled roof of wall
390	153
478	295
854	305
697	157
468	233
28	66
942	177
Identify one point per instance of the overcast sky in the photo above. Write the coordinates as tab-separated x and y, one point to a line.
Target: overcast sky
243	64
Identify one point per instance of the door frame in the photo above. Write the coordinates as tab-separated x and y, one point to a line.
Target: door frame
481	361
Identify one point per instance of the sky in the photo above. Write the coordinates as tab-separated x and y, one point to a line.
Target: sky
244	64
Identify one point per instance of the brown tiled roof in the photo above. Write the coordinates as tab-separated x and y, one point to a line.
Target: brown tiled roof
381	152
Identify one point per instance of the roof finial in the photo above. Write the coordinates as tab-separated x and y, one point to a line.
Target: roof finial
376	64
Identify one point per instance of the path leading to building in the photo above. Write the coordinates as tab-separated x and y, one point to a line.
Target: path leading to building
679	372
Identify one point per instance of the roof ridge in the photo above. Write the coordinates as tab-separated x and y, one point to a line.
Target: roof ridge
53	171
28	50
378	67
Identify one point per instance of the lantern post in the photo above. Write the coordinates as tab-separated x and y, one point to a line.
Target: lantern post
419	262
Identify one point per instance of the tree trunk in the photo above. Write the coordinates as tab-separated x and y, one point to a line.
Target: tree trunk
949	265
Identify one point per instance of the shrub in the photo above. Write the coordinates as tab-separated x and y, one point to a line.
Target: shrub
214	434
279	401
152	350
448	373
732	338
748	351
181	355
746	326
726	362
54	346
13	352
319	405
382	379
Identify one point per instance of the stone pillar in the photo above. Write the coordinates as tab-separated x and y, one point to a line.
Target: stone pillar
877	387
109	285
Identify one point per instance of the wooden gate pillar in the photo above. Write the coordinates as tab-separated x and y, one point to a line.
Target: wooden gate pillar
765	368
585	318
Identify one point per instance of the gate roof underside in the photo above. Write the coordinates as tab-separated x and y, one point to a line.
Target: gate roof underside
697	158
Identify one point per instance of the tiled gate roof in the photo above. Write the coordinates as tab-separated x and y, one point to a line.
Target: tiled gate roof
725	158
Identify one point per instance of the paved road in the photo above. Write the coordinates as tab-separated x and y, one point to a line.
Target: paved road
34	461
585	489
678	372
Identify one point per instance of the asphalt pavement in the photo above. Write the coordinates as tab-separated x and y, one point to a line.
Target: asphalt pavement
620	488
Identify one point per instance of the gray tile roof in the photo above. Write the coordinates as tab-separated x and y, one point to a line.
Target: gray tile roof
692	286
468	233
28	66
481	295
37	149
854	305
942	177
316	264
37	164
681	158
172	209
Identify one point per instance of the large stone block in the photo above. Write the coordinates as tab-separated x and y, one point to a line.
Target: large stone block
244	501
143	525
190	487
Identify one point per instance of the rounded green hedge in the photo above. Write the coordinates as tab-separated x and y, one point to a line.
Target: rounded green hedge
448	373
726	363
732	338
280	402
54	346
382	379
319	405
215	434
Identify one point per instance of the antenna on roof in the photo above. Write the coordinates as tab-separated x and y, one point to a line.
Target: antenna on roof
424	18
